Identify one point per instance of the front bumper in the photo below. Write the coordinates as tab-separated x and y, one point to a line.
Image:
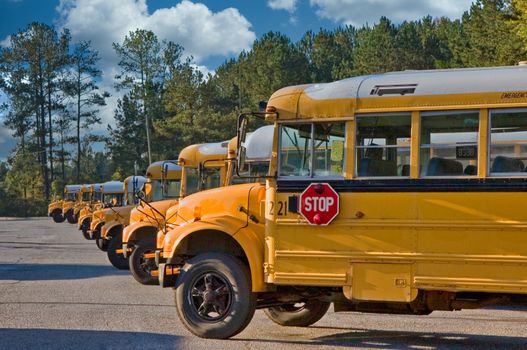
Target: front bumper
168	275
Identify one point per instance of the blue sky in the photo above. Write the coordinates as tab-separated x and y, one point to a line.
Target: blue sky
211	30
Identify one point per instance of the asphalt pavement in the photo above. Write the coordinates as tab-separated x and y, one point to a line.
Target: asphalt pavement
58	291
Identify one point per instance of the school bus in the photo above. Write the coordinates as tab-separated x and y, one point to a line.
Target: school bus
108	231
55	208
90	194
202	166
256	164
112	195
86	209
159	193
72	195
425	171
112	207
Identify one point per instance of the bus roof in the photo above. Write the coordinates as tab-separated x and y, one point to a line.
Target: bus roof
113	187
136	181
407	90
155	170
72	188
195	154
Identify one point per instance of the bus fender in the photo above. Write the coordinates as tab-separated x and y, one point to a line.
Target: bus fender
130	232
248	240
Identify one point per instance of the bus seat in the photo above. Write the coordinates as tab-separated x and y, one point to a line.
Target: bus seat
471	170
405	170
441	166
502	164
375	167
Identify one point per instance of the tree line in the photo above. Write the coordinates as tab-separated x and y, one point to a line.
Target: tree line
166	103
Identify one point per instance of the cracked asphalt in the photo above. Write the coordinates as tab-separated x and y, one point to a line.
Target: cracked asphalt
58	291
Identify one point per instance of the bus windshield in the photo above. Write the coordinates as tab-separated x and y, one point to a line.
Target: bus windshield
86	196
156	192
113	199
191	180
70	196
210	178
172	188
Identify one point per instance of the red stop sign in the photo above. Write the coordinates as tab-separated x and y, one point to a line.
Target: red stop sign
319	204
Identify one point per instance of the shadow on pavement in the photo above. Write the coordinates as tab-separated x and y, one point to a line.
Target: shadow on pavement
379	339
16	338
49	272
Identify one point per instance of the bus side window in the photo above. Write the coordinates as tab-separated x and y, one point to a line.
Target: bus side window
295	150
508	142
383	145
329	149
449	143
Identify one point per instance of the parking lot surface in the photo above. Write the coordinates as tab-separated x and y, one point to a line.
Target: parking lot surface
58	291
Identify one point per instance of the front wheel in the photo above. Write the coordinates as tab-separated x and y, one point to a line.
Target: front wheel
57	216
213	296
70	217
141	267
299	314
85	227
117	259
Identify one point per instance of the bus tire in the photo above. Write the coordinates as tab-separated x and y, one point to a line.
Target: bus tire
213	296
84	228
298	315
57	216
141	267
70	217
116	259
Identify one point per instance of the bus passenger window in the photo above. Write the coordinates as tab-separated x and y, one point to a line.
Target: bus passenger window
449	143
508	142
383	145
329	149
295	150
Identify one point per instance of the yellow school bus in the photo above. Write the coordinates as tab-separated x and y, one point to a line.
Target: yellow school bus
112	195
108	226
202	166
256	164
112	208
161	191
425	171
84	210
55	209
90	194
72	195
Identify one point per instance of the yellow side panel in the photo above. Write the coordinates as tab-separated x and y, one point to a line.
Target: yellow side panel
389	282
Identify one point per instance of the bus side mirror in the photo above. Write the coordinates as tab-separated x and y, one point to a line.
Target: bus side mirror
243	122
141	195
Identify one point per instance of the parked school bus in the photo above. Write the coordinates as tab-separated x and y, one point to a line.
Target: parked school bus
161	191
202	166
55	208
256	164
89	195
425	170
72	196
115	219
111	195
99	216
86	209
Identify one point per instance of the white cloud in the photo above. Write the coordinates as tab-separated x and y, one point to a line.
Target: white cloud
6	42
200	31
287	5
360	12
